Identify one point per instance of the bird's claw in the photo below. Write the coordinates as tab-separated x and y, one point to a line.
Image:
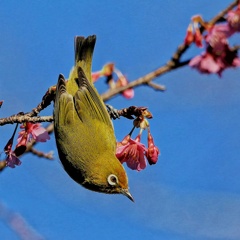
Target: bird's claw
113	112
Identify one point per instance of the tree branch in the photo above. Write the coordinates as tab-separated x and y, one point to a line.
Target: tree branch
173	63
24	118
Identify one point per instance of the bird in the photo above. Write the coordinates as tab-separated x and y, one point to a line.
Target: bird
84	133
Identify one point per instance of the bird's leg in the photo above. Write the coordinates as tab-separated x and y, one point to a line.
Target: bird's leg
113	112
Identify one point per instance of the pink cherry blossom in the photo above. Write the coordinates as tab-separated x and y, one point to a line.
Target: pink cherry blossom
132	152
208	63
218	55
32	130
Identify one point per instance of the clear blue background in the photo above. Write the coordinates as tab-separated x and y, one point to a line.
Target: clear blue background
193	192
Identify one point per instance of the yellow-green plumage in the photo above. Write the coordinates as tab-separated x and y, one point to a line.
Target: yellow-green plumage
83	129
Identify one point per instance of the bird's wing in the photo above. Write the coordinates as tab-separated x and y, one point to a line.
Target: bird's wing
87	101
64	109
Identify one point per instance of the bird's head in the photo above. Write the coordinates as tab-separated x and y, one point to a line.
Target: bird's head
109	178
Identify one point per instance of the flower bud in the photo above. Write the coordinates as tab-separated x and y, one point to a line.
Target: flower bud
152	151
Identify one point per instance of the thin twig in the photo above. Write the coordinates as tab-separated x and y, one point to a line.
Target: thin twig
41	154
156	86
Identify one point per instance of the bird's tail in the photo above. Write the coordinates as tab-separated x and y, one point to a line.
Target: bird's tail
83	58
83	53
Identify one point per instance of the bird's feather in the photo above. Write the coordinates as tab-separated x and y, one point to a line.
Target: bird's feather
64	105
83	58
88	102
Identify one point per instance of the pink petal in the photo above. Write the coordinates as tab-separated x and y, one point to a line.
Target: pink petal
120	154
198	38
233	19
129	93
138	163
12	160
206	64
40	134
142	162
132	164
195	61
120	149
209	65
96	75
42	137
236	62
189	35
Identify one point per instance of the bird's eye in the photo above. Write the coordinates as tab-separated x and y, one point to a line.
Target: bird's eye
112	179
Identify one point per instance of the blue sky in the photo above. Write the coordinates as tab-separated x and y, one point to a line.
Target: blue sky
193	192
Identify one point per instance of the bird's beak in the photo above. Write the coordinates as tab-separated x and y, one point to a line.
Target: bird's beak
126	193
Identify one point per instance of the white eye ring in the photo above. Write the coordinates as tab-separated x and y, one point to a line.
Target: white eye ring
112	179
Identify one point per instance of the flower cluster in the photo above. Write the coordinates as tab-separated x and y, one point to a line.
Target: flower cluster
133	152
218	55
108	71
30	131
